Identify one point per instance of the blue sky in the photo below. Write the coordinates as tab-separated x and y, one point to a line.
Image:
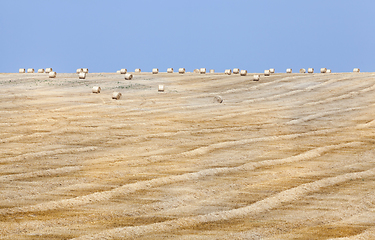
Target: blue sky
105	36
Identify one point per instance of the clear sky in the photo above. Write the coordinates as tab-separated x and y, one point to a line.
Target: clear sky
107	35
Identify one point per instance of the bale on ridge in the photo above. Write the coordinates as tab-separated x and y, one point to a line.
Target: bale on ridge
128	76
196	71
272	70
116	95
181	70
137	70
85	70
79	70
323	70
21	70
48	70
288	70
356	70
228	71
256	77
243	72
155	70
236	70
30	70
212	71
267	72
40	70
96	89
123	70
52	74
82	75
302	70
329	71
170	70
202	70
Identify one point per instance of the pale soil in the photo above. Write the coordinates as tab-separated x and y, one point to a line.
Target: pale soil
288	157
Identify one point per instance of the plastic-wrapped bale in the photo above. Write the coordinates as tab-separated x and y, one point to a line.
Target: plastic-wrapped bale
128	76
137	70
218	99
21	70
228	71
85	70
170	70
302	70
52	74
202	70
212	71
155	70
323	70
48	70
310	70
236	70
30	70
329	71
41	70
356	70
196	71
116	95
96	89
79	70
272	70
181	70
123	70
256	77
288	70
161	88
82	75
267	72
243	72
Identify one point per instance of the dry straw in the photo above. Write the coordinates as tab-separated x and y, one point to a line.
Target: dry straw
48	70
118	71
128	76
323	70
52	74
155	70
161	88
272	70
256	77
196	71
243	72
137	70
329	71
267	72
181	70
79	70
82	75
236	70
123	70
202	70
30	70
302	70
170	70
288	70
96	89
116	95
310	70
228	71
40	70
85	70
356	70
212	70
21	70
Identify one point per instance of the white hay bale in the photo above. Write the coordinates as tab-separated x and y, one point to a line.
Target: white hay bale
218	99
267	72
329	71
243	72
181	70
116	95
85	70
137	70
82	75
79	70
21	70
128	76
118	71
256	77
52	74
196	71
48	70
170	70
236	70
228	71
272	70
30	70
161	88
40	70
288	70
356	70
302	70
96	89
310	70
123	70
155	70
202	70
323	70
212	70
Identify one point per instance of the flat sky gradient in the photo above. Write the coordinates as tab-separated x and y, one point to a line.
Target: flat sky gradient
106	36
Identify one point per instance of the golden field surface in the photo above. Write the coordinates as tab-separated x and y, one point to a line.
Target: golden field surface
289	157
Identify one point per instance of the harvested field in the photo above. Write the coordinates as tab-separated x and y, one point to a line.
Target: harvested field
289	157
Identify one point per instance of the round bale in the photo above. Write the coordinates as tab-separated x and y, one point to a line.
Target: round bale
170	70
82	75
79	70
228	71
48	70
302	70
266	72
30	70
181	70
212	70
202	70
323	70
243	72
236	70
85	70
272	70
196	71
288	70
310	70
21	70
52	74
137	70
356	70
96	89
329	71
256	77
123	70
155	70
161	88
128	76
116	95
40	70
118	71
